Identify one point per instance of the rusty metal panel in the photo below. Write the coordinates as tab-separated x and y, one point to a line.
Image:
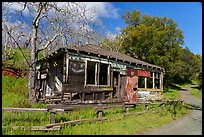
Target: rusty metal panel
131	85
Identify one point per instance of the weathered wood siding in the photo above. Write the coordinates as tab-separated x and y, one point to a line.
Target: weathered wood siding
76	77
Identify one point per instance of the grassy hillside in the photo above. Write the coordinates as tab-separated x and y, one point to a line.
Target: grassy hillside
17	60
14	92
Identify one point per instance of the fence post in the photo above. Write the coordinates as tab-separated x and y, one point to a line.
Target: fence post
52	116
126	110
100	112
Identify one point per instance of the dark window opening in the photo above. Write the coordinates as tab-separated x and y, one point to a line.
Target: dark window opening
115	83
91	72
157	83
103	74
141	82
149	82
115	78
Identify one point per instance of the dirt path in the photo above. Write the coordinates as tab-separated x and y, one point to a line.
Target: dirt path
191	124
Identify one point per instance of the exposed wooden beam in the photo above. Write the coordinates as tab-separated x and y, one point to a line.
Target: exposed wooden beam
153	80
145	82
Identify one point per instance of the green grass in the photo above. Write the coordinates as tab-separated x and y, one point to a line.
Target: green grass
14	92
196	92
17	59
131	124
171	93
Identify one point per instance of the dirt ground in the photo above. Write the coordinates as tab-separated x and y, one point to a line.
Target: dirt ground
191	124
13	72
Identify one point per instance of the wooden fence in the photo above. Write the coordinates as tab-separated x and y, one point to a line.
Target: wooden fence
98	108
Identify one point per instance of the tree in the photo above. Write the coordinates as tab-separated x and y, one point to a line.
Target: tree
156	40
49	23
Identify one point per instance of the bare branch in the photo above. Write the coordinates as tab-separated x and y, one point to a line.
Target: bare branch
49	42
16	43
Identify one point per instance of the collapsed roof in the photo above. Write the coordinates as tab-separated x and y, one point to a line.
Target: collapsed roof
99	51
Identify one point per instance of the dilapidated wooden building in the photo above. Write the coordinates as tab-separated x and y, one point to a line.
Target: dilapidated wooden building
91	73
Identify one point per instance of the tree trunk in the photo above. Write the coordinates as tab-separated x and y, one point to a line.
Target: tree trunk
32	67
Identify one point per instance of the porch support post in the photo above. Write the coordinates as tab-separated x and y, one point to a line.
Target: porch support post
161	80
153	80
109	75
85	80
65	71
97	74
119	95
145	82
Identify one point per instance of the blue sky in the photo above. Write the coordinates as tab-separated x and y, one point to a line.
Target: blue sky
187	15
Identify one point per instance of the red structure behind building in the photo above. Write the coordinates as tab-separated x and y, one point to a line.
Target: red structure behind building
138	72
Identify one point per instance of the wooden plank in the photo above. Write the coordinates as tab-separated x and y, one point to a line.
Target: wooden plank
76	79
33	128
85	77
76	121
31	110
73	89
24	109
153	80
67	68
64	68
108	107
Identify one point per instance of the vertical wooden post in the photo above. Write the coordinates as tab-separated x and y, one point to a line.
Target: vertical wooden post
145	82
71	96
111	79
64	68
85	77
100	114
109	75
161	80
52	117
119	85
65	72
67	67
98	73
126	110
153	80
83	96
103	95
111	84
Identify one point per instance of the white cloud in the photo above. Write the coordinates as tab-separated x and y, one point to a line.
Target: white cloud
118	30
111	36
14	6
103	9
94	9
